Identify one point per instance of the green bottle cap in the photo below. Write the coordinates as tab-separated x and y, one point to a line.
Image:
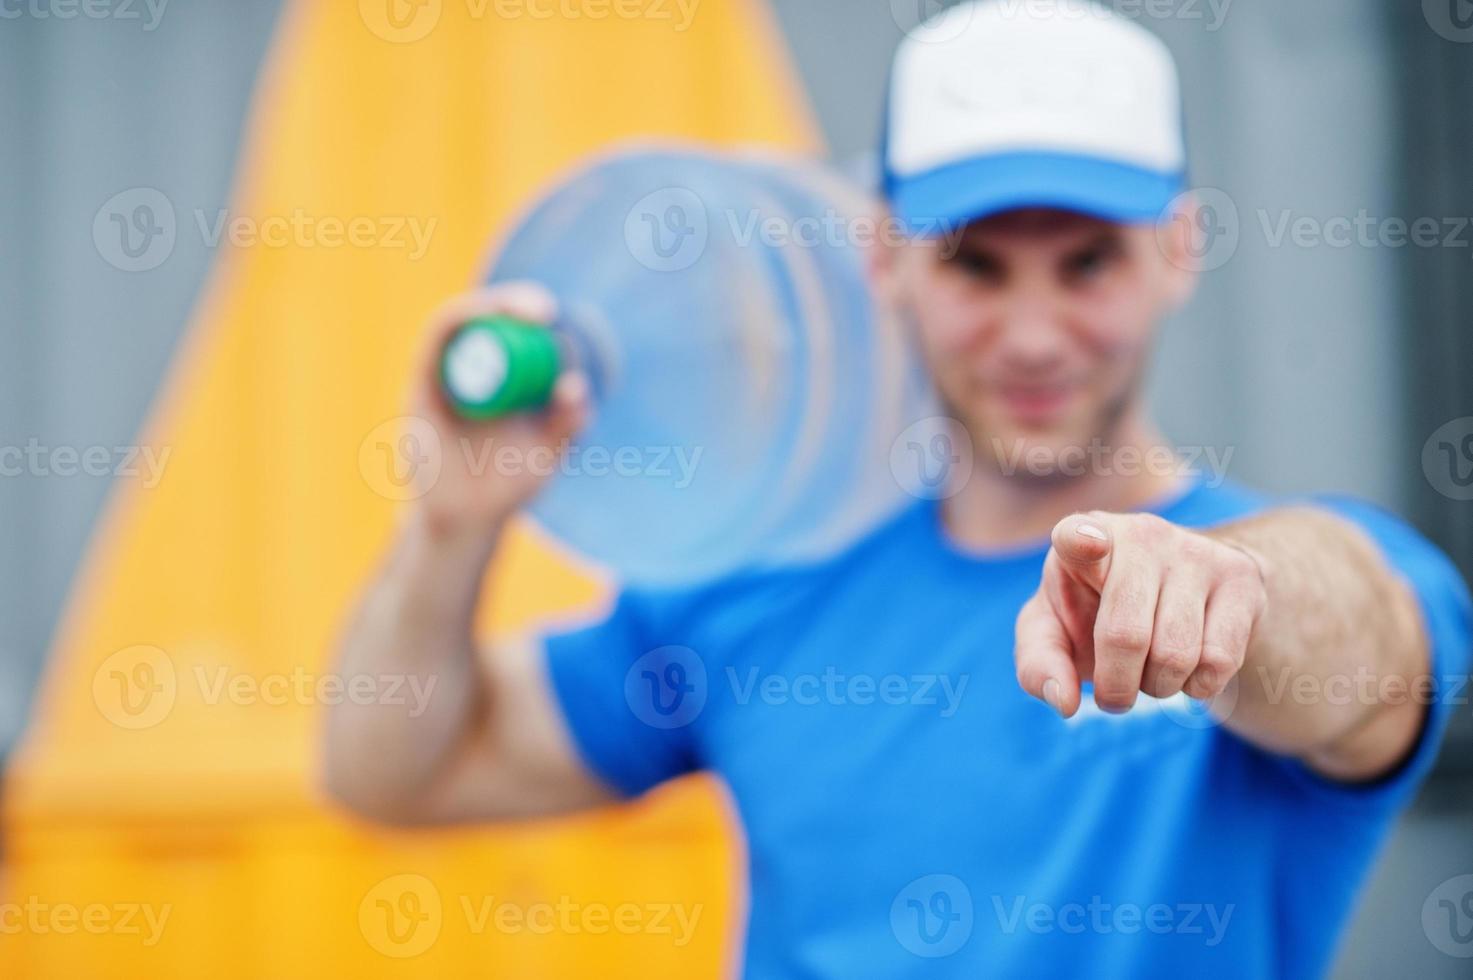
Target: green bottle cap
499	365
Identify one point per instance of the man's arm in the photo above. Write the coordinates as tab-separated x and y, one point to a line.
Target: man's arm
1290	622
1346	629
490	741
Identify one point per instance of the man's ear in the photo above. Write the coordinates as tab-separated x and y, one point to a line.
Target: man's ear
881	260
1180	238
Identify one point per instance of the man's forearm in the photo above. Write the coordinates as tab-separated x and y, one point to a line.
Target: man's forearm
416	622
1337	667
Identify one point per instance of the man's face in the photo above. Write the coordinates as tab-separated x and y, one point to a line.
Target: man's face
1037	324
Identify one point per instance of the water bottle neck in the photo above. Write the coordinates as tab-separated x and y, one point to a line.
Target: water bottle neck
588	343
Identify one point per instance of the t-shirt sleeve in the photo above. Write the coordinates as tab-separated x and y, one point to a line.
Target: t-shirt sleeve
630	701
1448	625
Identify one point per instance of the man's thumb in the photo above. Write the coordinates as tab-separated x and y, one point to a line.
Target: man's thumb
1083	544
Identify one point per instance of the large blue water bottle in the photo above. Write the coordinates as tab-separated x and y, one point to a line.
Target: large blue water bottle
747	395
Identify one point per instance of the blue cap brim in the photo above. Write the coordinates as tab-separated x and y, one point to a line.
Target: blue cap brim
931	202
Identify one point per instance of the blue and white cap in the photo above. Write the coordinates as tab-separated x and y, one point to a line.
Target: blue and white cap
1002	104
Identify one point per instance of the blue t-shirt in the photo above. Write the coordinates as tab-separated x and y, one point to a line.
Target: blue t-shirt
911	812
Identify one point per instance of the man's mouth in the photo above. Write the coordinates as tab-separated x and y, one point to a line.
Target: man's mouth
1035	404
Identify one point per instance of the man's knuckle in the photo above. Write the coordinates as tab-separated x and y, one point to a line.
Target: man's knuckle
1197	687
1177	636
1162	684
1150	527
1129	598
1195	549
1175	661
1125	635
1238	567
1218	658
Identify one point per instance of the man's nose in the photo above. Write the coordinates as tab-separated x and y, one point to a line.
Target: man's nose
1032	331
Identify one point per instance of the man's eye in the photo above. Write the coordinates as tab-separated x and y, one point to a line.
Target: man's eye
1088	265
975	266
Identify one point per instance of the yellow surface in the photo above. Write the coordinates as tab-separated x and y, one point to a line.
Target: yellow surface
145	793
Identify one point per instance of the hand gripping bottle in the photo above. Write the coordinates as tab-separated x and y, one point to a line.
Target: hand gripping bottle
746	390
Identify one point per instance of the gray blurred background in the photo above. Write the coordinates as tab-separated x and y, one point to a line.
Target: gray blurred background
1319	367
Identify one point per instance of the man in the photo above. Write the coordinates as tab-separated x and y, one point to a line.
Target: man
985	764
